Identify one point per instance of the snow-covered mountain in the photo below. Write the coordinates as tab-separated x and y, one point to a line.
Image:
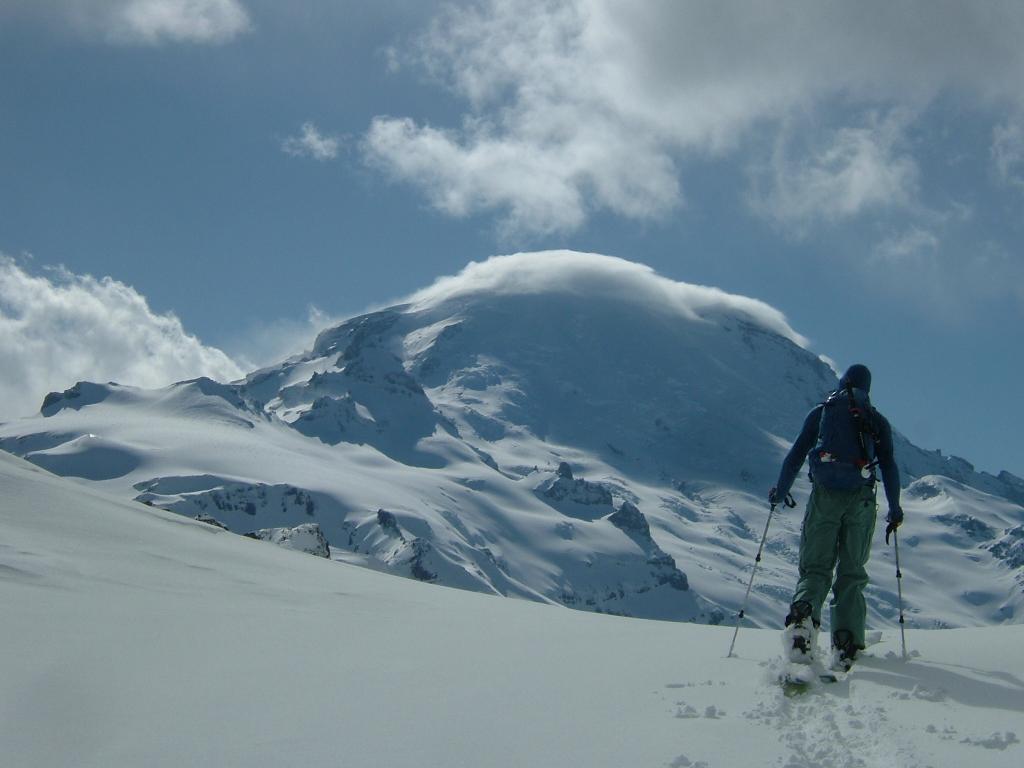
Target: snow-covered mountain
135	637
561	427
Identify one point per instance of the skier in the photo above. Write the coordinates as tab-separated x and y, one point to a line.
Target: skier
846	439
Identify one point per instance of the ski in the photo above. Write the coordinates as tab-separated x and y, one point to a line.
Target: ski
796	685
796	678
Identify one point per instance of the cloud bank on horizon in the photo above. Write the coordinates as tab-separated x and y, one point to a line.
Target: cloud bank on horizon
586	106
57	331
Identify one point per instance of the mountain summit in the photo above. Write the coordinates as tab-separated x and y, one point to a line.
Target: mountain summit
564	352
558	426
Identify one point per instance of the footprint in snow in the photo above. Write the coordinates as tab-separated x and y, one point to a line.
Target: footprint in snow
946	734
928	694
684	762
818	731
685	711
995	741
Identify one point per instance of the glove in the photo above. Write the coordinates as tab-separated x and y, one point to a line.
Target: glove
774	500
894	520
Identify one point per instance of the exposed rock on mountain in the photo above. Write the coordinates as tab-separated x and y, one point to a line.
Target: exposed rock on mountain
306	538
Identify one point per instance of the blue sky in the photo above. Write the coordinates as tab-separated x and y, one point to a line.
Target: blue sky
238	163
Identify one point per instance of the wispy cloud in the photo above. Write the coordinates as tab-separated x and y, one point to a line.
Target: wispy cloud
311	143
60	328
141	22
580	106
853	170
1008	151
266	342
915	242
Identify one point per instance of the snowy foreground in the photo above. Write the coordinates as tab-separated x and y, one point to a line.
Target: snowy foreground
136	637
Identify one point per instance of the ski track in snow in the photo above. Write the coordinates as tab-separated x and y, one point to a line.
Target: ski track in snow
848	724
822	728
833	728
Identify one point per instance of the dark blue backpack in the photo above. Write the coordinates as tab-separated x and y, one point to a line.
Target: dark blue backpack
844	456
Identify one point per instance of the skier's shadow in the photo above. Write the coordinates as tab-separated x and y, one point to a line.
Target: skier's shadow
978	688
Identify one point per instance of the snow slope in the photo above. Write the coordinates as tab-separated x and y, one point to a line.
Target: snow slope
427	439
133	636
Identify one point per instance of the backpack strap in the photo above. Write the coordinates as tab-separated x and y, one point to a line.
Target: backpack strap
863	426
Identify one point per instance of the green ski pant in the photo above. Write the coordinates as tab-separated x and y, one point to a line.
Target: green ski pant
836	536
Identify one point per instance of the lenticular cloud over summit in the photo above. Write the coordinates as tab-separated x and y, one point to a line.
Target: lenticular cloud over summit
599	277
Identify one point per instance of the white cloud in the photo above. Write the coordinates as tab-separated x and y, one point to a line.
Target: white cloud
855	170
532	184
597	276
311	143
577	106
141	22
1008	152
57	330
912	243
196	21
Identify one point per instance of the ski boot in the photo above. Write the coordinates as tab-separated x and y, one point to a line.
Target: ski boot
844	650
800	635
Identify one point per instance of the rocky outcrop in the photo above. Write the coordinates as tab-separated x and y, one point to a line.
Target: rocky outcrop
382	537
230	502
404	554
631	521
1010	548
388	523
964	526
1013	486
304	538
575	497
82	394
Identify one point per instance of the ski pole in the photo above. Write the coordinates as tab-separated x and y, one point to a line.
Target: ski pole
899	594
753	570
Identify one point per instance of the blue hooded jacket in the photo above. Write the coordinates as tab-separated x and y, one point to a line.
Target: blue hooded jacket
859	377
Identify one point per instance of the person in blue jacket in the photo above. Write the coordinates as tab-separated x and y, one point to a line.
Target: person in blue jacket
845	439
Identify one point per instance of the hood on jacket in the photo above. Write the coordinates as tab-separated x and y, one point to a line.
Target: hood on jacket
857	376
